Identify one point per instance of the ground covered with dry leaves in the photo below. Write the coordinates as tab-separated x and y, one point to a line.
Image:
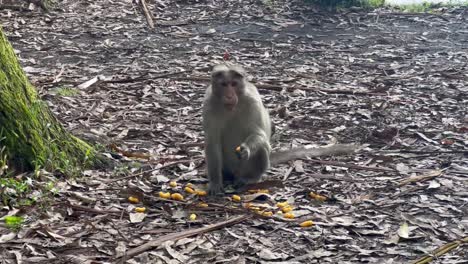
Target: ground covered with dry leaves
395	81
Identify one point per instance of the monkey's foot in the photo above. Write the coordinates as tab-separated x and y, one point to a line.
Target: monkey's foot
215	190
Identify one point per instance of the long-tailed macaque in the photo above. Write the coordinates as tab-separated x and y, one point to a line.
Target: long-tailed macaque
237	131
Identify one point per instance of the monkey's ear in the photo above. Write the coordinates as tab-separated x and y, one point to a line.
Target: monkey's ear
237	74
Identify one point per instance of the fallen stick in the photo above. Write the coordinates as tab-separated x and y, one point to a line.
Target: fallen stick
440	251
147	14
352	166
184	234
275	87
421	178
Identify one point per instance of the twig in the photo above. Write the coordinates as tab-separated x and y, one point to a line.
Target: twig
92	210
184	234
440	251
352	166
149	19
143	77
421	178
275	87
148	171
427	151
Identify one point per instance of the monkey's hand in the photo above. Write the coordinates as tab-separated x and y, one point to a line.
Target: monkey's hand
243	152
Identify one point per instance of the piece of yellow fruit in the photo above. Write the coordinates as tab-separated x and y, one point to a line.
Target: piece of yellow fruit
177	196
189	190
200	192
133	199
238	149
307	223
317	197
193	217
165	195
189	185
287	209
259	191
173	184
204	205
289	215
236	198
140	209
281	205
267	214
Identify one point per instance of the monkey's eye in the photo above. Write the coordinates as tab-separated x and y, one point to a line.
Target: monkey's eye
234	83
223	84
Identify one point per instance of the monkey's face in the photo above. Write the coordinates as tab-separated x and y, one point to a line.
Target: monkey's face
228	86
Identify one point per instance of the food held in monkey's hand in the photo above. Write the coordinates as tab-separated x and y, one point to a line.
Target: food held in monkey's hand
243	152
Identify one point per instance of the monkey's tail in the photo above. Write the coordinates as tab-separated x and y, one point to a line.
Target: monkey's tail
304	152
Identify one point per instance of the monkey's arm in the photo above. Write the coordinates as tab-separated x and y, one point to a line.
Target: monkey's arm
300	153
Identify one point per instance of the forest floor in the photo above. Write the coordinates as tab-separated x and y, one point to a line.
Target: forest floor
395	81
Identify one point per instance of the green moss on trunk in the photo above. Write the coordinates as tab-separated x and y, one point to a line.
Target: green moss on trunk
32	136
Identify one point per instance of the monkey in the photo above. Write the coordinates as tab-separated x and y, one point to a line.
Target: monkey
237	129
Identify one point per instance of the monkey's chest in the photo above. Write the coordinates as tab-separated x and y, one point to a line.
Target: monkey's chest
233	134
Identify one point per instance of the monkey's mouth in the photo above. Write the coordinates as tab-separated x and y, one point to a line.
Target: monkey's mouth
230	107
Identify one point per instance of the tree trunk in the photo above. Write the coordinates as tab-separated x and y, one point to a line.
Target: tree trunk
31	135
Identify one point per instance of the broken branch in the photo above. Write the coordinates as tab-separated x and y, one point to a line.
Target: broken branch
184	234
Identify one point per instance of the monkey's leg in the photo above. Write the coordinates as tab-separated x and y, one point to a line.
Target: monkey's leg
214	164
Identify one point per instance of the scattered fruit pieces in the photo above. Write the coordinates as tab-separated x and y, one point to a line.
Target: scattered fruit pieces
267	214
200	192
281	205
287	209
289	215
193	217
236	198
259	191
165	195
140	209
307	223
189	185
177	196
173	184
204	205
317	197
133	199
238	149
189	190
